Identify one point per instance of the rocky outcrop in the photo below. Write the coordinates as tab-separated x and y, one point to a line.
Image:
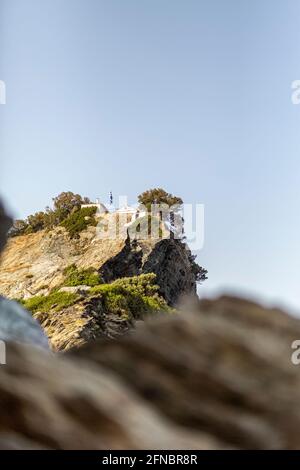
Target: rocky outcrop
86	321
171	261
218	375
176	271
15	323
34	264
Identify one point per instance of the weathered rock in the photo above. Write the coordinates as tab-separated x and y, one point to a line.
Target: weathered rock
175	269
224	369
15	323
34	264
54	403
218	375
171	261
82	290
82	323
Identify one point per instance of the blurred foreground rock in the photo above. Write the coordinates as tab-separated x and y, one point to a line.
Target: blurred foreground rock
16	324
218	375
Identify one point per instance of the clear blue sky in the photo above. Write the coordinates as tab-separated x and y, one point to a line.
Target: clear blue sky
190	95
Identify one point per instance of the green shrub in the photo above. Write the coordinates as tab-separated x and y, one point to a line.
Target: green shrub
81	277
56	301
141	285
158	196
134	296
79	220
64	205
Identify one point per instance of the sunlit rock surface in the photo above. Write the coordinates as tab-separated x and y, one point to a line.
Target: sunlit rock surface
34	264
15	323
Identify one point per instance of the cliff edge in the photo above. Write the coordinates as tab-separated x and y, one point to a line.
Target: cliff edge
34	264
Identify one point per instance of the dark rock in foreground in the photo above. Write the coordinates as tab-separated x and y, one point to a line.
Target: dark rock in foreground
215	376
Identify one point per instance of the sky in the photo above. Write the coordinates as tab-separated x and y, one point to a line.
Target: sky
193	96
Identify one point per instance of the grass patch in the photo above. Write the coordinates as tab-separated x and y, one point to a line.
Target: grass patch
55	301
132	297
81	277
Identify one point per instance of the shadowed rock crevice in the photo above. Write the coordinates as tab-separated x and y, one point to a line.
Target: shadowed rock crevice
171	260
127	263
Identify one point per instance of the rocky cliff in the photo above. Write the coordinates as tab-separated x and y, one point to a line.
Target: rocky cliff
216	376
33	267
15	323
34	264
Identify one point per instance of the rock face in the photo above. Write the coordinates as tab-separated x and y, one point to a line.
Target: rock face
33	264
224	370
15	323
171	261
81	323
218	375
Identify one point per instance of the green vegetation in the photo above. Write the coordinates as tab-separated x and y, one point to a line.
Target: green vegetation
132	297
55	301
81	277
158	196
66	203
79	220
65	206
67	212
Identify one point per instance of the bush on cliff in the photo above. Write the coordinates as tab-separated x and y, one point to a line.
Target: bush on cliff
55	301
132	297
81	277
136	296
79	220
158	196
64	205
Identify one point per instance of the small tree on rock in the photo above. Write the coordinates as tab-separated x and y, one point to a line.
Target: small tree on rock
158	196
